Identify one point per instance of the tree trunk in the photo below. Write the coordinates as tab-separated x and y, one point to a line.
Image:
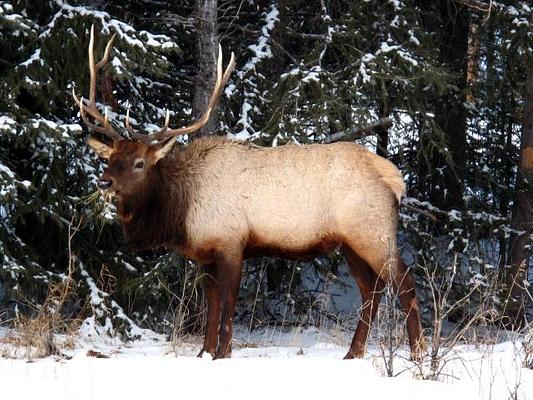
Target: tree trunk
473	59
450	114
382	131
207	53
517	273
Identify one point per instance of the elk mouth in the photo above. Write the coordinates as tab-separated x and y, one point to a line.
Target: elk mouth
110	194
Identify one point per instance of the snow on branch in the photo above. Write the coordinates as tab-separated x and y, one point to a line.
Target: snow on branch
124	31
17	21
107	314
260	50
36	56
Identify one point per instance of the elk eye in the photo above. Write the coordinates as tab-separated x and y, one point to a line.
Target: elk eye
139	164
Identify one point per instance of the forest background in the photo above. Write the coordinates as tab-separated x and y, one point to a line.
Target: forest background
455	77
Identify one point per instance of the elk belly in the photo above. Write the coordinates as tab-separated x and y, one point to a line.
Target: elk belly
294	250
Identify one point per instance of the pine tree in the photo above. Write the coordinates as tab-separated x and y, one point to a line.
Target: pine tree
305	70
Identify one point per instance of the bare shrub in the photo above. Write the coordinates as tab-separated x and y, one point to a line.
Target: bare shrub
467	316
527	347
390	331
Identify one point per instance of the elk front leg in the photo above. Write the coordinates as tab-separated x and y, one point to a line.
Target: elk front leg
229	270
212	297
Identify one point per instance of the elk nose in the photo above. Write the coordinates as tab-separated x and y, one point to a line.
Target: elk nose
104	184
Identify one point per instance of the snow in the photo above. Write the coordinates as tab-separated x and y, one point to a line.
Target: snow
228	91
312	75
6	122
300	363
396	4
413	39
36	56
123	30
21	22
407	58
129	267
243	134
521	21
117	65
96	295
260	50
6	171
101	305
385	48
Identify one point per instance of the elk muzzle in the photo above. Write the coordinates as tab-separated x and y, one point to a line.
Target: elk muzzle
104	184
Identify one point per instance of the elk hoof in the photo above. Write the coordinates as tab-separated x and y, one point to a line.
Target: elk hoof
418	350
417	356
351	356
222	354
203	353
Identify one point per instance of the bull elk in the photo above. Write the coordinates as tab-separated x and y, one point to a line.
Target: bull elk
219	202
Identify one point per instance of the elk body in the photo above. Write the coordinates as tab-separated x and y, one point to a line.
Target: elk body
219	202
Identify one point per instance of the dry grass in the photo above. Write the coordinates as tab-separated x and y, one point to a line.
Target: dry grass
190	306
34	337
527	346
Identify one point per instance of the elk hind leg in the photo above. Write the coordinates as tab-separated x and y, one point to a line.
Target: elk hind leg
404	284
371	287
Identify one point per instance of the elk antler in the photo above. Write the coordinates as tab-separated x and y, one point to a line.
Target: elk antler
91	108
166	133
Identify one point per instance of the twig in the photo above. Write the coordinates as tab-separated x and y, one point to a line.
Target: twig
284	50
476	4
420	211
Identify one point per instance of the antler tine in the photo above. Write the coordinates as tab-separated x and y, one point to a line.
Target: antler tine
107	52
128	126
91	108
133	133
221	81
167	121
106	129
92	69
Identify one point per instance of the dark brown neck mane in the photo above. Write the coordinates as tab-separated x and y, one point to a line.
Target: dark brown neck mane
155	216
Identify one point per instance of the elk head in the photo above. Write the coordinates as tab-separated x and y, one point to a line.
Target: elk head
131	159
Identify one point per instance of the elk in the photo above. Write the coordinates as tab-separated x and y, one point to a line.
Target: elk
218	202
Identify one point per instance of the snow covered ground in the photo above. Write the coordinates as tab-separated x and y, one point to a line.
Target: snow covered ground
302	363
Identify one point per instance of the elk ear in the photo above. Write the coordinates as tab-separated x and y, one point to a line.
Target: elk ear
103	150
161	150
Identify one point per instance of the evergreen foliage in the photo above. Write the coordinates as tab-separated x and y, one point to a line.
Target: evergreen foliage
305	70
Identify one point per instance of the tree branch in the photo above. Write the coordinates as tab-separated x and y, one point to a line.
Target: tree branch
476	4
358	131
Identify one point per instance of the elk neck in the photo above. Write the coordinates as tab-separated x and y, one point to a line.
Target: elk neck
154	217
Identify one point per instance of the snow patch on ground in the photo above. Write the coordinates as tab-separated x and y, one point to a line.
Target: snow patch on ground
299	363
